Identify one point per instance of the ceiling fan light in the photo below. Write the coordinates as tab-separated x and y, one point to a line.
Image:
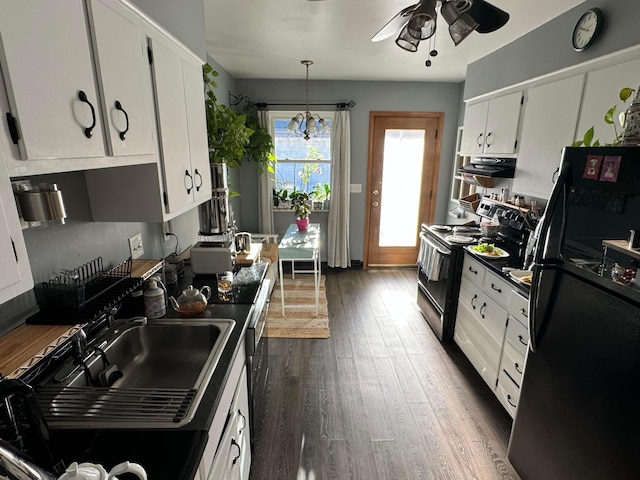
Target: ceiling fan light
489	17
422	24
460	25
407	42
463	5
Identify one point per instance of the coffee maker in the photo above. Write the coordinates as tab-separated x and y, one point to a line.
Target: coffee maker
215	251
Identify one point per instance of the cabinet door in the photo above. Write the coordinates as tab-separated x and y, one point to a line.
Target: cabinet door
601	92
172	126
549	123
46	63
121	60
16	272
197	124
475	119
503	118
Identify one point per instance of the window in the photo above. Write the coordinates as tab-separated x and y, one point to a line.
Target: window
302	165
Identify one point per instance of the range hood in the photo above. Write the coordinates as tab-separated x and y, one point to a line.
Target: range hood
490	167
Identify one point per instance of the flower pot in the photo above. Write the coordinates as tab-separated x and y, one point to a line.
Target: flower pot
303	224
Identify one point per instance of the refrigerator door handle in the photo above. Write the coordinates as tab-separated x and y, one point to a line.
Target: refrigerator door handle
556	195
533	300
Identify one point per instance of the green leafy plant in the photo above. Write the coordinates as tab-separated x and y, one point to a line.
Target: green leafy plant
300	203
321	191
260	147
279	196
609	119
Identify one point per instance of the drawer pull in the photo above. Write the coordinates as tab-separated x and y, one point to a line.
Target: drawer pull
517	367
473	305
242	426
499	290
522	340
523	312
484	305
514	405
235	444
475	272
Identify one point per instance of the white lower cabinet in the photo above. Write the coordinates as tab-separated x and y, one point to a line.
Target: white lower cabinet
491	330
227	455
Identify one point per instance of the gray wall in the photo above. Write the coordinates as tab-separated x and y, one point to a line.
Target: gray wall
548	48
81	239
369	96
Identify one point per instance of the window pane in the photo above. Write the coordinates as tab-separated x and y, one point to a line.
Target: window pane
295	147
301	175
401	179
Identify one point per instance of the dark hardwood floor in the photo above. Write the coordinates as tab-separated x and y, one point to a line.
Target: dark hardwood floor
380	399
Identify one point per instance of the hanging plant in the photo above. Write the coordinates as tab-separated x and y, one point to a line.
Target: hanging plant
227	131
260	148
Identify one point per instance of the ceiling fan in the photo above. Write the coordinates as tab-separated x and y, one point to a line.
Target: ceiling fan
418	22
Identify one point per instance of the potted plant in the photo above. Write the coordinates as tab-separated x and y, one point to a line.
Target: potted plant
280	197
321	193
300	205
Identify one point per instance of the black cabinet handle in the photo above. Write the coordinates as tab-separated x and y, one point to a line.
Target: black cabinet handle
235	459
475	297
523	312
244	422
188	175
484	305
196	174
83	98
487	140
479	139
499	290
118	106
522	340
514	405
475	272
517	367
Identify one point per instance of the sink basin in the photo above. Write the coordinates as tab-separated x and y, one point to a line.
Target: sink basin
149	375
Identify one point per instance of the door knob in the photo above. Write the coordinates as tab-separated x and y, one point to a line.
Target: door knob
375	204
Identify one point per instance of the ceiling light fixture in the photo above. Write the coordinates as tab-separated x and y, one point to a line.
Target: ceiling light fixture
418	22
305	123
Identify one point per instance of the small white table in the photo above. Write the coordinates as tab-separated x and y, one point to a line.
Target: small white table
299	246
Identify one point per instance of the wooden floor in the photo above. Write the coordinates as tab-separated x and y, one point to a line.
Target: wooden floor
380	399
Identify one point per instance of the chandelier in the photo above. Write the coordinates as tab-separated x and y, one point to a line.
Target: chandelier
307	123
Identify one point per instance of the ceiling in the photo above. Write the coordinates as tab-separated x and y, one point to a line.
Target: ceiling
258	39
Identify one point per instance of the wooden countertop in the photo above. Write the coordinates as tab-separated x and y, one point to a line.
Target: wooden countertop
25	345
622	246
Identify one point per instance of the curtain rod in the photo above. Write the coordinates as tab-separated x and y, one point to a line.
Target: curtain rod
238	99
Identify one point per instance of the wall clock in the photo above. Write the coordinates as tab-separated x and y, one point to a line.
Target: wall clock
587	29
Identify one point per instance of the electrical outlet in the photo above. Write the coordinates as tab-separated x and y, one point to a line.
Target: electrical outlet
135	246
165	229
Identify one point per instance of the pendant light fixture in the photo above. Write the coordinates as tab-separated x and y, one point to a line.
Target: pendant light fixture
307	123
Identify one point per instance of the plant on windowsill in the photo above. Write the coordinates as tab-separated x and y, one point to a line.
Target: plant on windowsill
321	193
280	198
301	207
609	118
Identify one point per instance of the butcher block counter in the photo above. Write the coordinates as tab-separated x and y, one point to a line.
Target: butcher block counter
25	345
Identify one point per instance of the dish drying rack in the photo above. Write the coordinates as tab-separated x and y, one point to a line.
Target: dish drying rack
75	290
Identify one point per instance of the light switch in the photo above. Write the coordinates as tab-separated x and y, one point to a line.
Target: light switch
355	188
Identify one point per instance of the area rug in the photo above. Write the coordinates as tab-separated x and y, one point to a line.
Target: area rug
299	322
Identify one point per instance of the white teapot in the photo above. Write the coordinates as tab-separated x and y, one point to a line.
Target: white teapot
91	471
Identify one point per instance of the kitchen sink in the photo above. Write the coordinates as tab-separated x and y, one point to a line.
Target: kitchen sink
137	376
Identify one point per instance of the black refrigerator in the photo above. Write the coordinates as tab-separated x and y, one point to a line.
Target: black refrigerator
578	415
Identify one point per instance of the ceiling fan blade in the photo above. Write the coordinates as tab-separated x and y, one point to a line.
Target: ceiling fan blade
395	24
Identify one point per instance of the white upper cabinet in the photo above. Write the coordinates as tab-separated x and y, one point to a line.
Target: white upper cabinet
491	127
16	275
48	74
601	92
122	65
549	123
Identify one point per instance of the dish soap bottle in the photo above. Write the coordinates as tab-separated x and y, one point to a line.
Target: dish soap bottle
154	301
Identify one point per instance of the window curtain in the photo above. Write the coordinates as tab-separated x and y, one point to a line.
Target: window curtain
266	183
338	254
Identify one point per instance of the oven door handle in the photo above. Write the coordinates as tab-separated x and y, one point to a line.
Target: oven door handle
434	246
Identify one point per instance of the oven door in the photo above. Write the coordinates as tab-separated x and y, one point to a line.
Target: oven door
434	267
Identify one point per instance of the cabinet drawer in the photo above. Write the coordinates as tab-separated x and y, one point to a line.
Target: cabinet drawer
486	313
478	345
519	308
497	289
512	363
508	394
518	336
473	270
